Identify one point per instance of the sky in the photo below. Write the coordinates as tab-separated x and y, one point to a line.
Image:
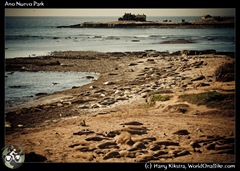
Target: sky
119	11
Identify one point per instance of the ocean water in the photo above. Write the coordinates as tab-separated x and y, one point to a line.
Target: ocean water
33	36
36	36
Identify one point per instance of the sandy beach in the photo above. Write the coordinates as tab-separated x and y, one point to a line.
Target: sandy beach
145	107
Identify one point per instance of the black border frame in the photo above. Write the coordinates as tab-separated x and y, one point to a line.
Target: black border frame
112	4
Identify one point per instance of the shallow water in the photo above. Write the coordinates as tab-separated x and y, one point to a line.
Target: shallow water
21	87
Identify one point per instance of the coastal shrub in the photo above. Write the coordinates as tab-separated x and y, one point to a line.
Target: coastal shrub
225	72
151	100
158	97
212	99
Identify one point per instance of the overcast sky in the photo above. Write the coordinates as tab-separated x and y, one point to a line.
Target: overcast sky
119	12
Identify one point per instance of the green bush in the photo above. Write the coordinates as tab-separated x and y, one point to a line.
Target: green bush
211	99
225	72
151	100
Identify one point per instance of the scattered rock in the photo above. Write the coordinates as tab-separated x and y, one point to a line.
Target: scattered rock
122	98
150	60
79	101
148	139
95	106
194	144
84	107
136	130
224	147
124	153
155	147
89	77
34	157
180	108
159	153
182	132
83	132
167	143
107	145
108	83
132	64
85	148
92	87
181	153
211	146
113	133
123	138
85	156
201	77
74	145
145	158
107	101
132	123
95	138
139	145
202	85
112	154
226	151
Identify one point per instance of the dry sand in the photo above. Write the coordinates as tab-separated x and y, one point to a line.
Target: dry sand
115	118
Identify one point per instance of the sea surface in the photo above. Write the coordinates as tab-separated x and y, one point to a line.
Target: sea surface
37	36
34	36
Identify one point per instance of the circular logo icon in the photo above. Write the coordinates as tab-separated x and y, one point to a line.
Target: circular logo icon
13	156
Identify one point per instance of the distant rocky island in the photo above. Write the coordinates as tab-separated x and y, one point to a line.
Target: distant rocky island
129	20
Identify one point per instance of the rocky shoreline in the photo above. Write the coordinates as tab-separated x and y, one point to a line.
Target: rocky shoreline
154	24
137	111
